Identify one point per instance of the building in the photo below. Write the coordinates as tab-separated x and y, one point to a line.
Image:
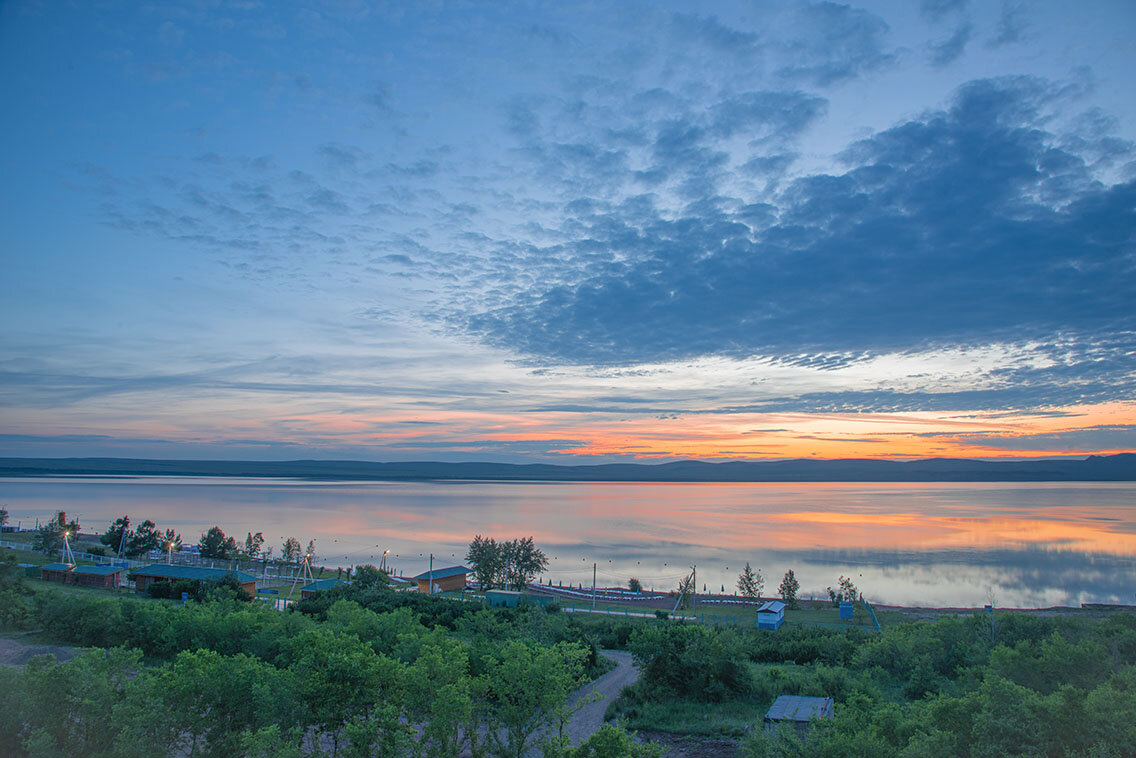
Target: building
320	586
56	572
450	579
798	711
104	577
162	572
771	615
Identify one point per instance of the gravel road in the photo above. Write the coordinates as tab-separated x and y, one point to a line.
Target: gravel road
586	721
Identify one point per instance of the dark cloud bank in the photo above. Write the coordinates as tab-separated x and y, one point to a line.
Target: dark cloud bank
979	223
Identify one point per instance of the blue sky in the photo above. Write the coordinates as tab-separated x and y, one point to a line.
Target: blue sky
568	231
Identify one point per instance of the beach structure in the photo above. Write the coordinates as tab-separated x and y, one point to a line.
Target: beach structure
321	585
797	711
771	615
56	572
450	579
105	577
162	572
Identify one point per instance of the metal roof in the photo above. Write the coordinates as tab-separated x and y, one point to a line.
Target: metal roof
166	571
444	572
57	567
323	584
98	570
798	708
772	606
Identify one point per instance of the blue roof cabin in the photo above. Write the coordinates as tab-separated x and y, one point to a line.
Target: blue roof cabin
159	572
797	711
771	615
321	585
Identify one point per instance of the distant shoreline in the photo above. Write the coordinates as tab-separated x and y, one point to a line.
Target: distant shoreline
1110	468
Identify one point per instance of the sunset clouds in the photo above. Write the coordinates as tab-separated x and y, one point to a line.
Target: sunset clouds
562	232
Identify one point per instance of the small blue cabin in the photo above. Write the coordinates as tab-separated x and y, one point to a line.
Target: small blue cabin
771	615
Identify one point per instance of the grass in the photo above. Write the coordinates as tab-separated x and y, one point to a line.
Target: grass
732	718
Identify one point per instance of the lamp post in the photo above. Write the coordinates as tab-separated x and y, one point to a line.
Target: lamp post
68	556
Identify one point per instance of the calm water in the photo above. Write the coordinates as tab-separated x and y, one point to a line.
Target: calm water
1030	545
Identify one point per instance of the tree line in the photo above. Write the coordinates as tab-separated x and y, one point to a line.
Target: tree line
512	564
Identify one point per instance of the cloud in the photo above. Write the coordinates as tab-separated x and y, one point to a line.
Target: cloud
842	43
973	224
1012	24
936	10
949	50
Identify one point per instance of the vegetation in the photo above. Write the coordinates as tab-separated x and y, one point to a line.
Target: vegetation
1045	686
513	564
789	589
214	544
419	676
750	583
634	585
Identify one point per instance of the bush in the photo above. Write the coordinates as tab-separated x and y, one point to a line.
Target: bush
691	661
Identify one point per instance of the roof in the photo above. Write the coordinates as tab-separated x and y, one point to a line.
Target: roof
443	573
98	570
323	584
798	708
166	571
57	567
772	606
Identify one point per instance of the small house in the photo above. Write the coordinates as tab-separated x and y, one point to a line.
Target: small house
55	572
162	572
512	598
797	711
771	615
450	579
104	577
321	585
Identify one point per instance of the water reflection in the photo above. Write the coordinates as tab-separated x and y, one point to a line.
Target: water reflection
1029	545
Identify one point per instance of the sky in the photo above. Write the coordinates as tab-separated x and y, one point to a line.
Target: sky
567	232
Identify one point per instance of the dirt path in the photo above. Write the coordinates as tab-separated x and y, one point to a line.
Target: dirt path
586	721
16	653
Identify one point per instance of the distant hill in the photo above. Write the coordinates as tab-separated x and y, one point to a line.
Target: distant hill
1096	468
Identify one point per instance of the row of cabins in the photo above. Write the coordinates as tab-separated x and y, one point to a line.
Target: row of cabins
110	576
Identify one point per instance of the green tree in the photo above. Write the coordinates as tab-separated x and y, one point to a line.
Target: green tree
48	538
523	561
367	577
338	679
486	560
290	550
214	544
145	538
3	516
634	585
750	583
113	536
610	741
253	543
526	688
439	695
789	588
170	538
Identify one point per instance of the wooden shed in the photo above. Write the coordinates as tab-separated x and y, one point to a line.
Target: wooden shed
105	577
771	615
798	711
56	572
162	572
321	585
450	579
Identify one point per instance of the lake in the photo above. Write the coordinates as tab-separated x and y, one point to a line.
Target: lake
1021	544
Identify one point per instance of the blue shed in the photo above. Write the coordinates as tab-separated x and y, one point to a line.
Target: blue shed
771	615
797	711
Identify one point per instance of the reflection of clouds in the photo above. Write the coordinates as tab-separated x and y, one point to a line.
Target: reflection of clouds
920	544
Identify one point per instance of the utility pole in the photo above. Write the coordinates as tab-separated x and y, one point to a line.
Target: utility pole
593	586
694	590
431	577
